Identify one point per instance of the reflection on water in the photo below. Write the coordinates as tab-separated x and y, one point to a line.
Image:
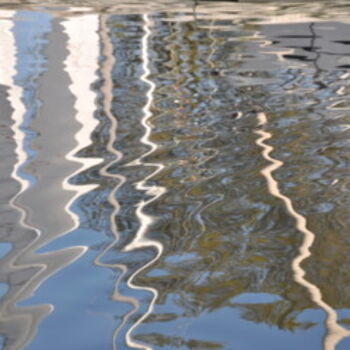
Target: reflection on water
22	270
174	175
334	332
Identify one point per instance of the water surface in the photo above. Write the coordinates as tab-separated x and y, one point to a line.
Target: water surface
174	175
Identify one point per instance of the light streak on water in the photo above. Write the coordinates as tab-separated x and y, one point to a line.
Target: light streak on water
26	323
107	90
7	73
81	65
140	240
335	333
19	324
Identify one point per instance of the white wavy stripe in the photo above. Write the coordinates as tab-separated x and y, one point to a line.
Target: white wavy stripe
107	90
26	318
335	333
82	65
140	240
7	73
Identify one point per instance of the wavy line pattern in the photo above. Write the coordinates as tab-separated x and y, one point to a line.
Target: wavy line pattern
140	240
107	90
81	65
136	155
19	324
335	332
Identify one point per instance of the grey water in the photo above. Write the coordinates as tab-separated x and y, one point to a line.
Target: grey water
174	175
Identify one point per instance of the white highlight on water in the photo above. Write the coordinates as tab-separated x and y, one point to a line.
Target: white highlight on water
335	333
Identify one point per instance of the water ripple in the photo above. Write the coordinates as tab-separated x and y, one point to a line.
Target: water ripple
140	240
335	332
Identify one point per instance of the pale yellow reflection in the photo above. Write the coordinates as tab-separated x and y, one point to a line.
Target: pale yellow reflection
335	333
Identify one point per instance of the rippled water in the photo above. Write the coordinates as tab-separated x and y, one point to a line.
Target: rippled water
174	175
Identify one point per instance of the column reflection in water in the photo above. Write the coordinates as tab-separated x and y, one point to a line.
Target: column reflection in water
79	45
335	333
17	326
22	269
237	244
145	220
119	179
137	137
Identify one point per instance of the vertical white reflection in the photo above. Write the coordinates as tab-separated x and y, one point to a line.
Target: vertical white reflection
18	328
140	240
7	73
19	323
82	65
335	333
107	90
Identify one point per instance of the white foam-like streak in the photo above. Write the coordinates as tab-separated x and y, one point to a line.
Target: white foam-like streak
140	240
335	333
82	65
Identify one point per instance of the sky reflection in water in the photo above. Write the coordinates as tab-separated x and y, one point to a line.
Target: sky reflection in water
174	175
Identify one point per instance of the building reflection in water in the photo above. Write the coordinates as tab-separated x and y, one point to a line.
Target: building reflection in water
42	195
144	127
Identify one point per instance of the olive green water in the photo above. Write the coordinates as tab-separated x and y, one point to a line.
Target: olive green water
175	175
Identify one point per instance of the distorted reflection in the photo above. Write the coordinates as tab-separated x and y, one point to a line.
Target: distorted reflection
174	175
335	332
23	270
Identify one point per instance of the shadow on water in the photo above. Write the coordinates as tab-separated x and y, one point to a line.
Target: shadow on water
174	176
